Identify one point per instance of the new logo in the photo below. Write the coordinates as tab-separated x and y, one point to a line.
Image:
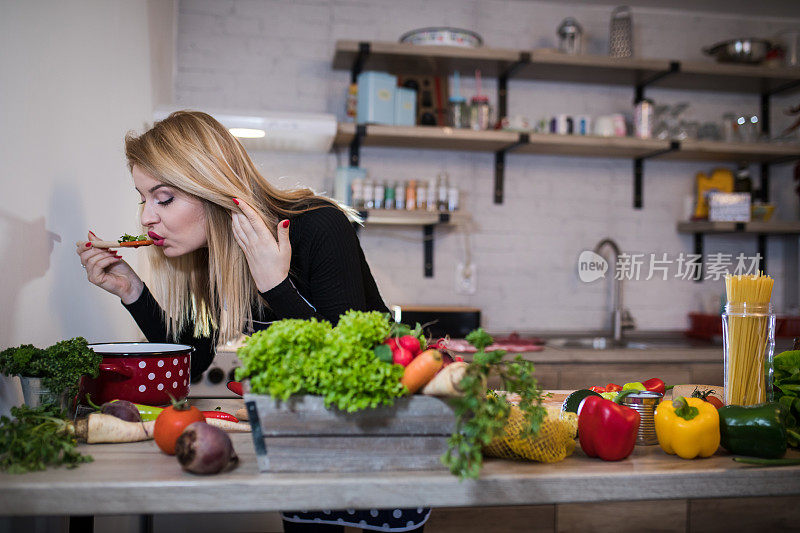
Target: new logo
591	266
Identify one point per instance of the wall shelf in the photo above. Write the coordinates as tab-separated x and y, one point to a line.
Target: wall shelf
762	230
550	65
437	138
426	219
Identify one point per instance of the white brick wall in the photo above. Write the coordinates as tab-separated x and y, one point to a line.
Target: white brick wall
277	55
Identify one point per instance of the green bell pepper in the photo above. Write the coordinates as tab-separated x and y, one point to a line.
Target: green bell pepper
757	430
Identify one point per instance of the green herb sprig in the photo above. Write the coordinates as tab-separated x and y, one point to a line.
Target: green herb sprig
60	366
481	415
132	238
37	438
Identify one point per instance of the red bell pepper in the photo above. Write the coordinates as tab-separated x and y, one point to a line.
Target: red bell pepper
607	429
222	415
613	387
655	385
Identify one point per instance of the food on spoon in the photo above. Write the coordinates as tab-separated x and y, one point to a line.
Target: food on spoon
204	449
126	241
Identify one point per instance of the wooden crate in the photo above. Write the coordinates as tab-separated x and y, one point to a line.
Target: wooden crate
301	435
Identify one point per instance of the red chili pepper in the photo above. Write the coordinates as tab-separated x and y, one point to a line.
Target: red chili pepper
222	415
606	429
613	387
598	390
655	385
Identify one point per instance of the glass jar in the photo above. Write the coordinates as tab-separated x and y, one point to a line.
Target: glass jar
748	337
457	112
480	113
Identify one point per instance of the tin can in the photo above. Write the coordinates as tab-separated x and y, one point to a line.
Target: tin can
645	402
643	119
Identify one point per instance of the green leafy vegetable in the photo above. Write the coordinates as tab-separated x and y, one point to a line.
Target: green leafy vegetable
295	356
37	438
481	415
132	238
786	379
60	366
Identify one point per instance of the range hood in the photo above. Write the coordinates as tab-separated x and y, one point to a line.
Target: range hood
274	130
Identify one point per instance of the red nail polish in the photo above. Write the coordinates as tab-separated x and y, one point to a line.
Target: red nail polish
285	223
236	201
88	245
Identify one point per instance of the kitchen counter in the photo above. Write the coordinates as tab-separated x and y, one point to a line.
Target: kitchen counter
137	478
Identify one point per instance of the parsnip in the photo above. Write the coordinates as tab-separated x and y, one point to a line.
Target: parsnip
241	414
446	382
227	425
99	428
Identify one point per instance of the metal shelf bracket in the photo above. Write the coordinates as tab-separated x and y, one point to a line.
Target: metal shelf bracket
355	144
638	172
360	59
674	67
500	166
502	83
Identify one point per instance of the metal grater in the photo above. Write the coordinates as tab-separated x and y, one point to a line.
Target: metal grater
620	37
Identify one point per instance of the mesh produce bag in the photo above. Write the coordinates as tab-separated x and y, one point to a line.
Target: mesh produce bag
554	442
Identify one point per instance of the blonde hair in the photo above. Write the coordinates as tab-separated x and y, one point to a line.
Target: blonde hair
211	287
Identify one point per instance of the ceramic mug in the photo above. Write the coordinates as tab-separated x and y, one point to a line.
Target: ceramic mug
604	126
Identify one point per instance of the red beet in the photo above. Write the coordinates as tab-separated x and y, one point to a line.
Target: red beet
204	449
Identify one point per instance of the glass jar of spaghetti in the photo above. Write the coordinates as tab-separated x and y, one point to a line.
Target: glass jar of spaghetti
748	333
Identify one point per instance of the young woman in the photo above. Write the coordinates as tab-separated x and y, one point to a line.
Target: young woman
232	254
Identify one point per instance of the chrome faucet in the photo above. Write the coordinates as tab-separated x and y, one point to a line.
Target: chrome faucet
621	318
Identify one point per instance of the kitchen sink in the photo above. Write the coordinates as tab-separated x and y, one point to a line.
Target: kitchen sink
607	343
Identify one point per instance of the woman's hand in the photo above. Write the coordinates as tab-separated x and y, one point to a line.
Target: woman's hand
106	269
267	258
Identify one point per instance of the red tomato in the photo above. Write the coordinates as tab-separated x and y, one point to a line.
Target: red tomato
410	343
170	424
713	400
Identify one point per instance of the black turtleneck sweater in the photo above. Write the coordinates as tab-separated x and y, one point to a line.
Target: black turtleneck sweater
328	276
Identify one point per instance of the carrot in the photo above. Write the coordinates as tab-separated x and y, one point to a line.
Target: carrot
421	370
97	428
446	382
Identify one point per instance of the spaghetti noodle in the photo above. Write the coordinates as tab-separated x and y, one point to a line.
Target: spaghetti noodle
749	329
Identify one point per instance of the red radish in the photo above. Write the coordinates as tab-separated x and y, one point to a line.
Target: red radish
410	343
392	343
402	356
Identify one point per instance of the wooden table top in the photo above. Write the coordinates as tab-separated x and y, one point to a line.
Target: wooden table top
137	478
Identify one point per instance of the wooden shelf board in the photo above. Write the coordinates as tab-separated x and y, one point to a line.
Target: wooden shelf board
399	217
711	76
779	227
590	146
400	58
551	65
428	137
723	151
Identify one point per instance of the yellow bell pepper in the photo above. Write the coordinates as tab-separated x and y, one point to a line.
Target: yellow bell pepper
688	427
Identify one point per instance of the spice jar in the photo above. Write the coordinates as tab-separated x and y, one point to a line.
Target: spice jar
457	112
480	113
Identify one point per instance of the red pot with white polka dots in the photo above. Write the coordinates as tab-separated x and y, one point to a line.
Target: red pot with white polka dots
140	372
